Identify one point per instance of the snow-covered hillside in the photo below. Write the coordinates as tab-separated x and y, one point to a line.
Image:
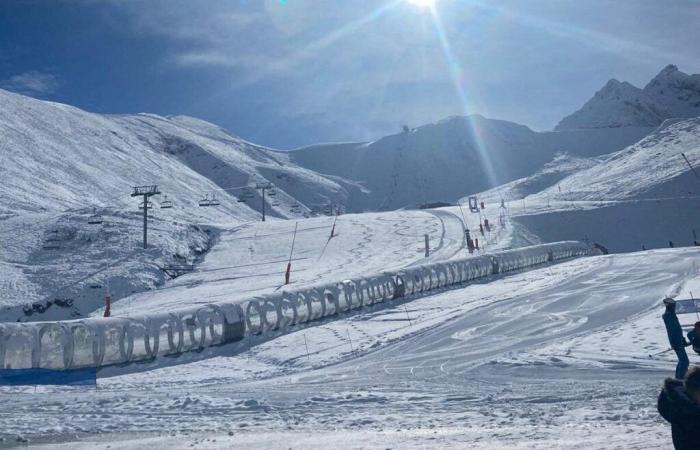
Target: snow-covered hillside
671	94
61	165
445	160
643	196
57	157
553	172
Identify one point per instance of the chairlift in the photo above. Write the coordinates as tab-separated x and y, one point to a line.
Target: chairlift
242	200
149	205
206	201
166	204
94	219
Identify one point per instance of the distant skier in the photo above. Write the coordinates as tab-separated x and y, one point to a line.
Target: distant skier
670	244
675	337
679	404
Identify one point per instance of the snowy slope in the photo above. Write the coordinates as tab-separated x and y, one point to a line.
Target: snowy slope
653	166
250	259
57	157
445	160
642	196
670	94
548	359
553	172
60	165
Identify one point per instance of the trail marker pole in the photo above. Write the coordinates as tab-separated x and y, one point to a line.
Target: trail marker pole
410	324
690	165
288	272
427	245
108	305
306	344
334	222
350	340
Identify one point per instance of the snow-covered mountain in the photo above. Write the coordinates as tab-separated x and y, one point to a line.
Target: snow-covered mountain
671	94
57	157
448	159
676	92
645	195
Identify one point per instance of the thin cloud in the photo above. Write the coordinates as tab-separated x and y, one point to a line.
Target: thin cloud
33	82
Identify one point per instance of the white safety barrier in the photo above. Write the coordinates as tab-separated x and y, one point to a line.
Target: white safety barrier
98	342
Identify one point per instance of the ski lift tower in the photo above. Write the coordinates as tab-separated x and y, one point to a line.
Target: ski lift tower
145	192
263	187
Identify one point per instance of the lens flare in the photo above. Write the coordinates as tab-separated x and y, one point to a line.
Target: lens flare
422	3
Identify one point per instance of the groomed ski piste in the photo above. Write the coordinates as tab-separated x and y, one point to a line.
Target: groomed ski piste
563	355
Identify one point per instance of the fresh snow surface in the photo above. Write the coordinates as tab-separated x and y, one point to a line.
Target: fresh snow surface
557	357
251	259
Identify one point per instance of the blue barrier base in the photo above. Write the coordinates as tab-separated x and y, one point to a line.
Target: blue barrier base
29	377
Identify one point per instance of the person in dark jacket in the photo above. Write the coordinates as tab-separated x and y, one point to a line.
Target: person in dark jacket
675	337
679	404
694	337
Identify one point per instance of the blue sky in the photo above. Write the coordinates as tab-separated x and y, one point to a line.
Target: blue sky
296	72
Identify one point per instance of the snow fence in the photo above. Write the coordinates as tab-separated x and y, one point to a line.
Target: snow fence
99	342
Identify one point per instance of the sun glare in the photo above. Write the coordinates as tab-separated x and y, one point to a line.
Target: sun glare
422	3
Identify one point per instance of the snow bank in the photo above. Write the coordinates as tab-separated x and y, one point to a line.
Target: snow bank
99	342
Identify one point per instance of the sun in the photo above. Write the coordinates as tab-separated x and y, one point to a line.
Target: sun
422	3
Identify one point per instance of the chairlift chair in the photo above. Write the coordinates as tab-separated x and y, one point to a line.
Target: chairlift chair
166	204
214	201
142	204
204	201
94	219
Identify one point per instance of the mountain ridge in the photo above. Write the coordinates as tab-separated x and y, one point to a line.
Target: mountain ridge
670	94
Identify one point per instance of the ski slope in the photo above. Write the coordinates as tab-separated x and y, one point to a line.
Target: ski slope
552	358
644	195
251	259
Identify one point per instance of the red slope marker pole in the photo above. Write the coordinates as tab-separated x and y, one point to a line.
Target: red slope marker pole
288	272
108	306
333	229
